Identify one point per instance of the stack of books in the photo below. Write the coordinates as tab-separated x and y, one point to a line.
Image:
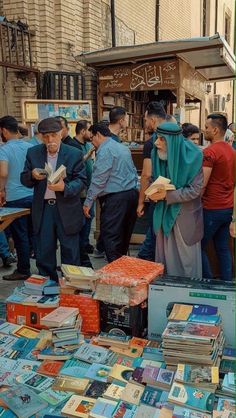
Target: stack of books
83	278
65	326
192	338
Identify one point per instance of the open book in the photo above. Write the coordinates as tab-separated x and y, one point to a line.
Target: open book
54	177
158	184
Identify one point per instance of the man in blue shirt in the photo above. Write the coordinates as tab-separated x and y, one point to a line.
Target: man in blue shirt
114	183
118	121
13	193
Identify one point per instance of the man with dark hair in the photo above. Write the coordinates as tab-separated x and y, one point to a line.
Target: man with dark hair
118	121
66	138
56	210
114	182
219	180
191	132
12	158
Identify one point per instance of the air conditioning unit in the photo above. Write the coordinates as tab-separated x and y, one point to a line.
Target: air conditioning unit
218	103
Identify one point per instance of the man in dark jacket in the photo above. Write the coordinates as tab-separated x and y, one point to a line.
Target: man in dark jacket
54	206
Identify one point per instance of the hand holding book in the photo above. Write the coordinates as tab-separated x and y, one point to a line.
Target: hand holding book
157	190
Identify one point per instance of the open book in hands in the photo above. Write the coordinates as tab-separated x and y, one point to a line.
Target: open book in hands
53	177
159	184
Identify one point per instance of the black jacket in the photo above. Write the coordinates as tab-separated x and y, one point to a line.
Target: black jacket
68	202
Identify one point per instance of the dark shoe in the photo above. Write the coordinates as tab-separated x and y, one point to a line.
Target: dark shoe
8	261
89	249
15	276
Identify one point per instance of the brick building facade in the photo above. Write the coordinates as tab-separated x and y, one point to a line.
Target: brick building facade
61	30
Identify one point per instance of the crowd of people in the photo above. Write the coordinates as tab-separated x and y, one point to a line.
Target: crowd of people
99	168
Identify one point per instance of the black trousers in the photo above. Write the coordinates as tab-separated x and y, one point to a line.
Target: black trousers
118	216
52	230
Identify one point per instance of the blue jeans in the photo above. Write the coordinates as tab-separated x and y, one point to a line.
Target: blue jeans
20	234
148	247
216	227
4	248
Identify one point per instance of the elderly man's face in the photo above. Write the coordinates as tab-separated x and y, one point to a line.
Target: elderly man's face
160	143
52	140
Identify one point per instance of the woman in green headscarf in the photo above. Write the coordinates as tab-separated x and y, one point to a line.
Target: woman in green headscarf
177	217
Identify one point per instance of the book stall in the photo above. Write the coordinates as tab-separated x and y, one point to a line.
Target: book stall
84	347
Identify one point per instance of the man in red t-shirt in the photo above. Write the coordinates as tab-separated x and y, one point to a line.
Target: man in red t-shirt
217	199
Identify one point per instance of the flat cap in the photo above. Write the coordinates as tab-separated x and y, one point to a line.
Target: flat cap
49	125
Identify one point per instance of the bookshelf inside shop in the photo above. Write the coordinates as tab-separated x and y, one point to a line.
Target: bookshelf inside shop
135	104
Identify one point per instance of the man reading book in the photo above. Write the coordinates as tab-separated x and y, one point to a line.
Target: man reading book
55	205
177	217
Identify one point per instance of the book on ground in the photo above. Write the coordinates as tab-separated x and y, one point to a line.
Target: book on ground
132	393
50	367
59	316
97	389
22	401
35	381
103	408
70	384
121	373
98	372
78	406
191	397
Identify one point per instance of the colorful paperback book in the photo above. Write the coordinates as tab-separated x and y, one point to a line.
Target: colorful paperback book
75	368
27	332
227	404
204	310
55	353
132	393
120	359
35	381
150	374
113	392
223	414
153	353
180	412
22	401
92	353
191	397
24	346
55	397
140	362
145	411
228	352
114	337
8	327
78	406
138	342
137	375
165	378
121	373
205	319
180	312
18	366
97	389
103	408
154	397
191	374
128	351
7	378
70	384
59	316
227	366
124	410
98	372
6	413
50	367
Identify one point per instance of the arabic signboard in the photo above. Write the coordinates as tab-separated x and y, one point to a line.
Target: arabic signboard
148	76
192	81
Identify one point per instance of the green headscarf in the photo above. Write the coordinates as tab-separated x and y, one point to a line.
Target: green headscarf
184	161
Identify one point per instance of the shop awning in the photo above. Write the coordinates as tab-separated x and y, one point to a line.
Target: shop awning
211	56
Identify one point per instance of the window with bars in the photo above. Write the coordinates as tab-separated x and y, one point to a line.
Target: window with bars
61	85
227	27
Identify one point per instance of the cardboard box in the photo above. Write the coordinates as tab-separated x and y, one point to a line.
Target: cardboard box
88	309
26	314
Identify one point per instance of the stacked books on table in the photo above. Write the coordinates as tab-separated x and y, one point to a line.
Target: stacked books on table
83	278
193	338
109	375
36	291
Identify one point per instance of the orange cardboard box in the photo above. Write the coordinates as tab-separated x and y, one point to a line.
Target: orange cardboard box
26	314
89	310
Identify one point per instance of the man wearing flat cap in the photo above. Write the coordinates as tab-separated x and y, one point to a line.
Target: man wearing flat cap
56	209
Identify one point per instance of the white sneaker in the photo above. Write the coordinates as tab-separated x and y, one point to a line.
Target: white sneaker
97	254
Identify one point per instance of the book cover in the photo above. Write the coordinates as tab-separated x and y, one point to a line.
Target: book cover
204	310
124	410
54	397
7	378
98	372
165	378
55	176
92	353
70	384
228	352
24	346
154	397
36	280
113	392
121	373
78	406
223	414
141	362
195	330
137	375
129	351
22	401
25	331
97	389
54	353
132	393
197	374
114	337
103	408
75	368
145	411
227	404
120	359
150	374
18	366
205	319
59	316
8	328
138	342
35	381
191	397
227	366
180	412
50	367
180	312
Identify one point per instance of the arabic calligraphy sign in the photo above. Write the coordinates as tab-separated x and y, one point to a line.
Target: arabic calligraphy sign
148	76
